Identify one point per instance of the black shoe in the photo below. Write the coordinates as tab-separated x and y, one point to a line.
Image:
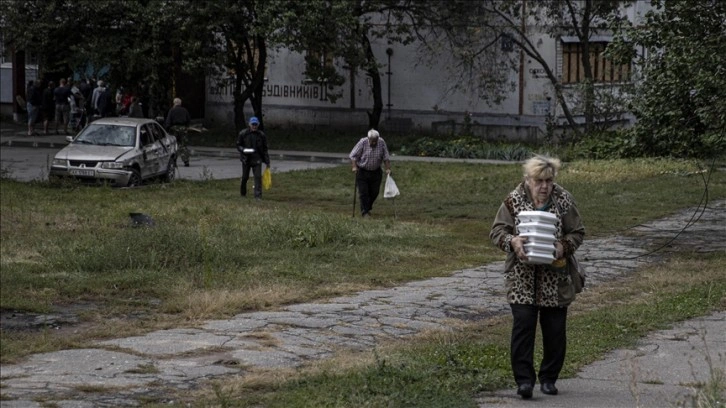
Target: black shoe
186	164
548	388
525	390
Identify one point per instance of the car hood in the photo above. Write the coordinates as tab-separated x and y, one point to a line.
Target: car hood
92	152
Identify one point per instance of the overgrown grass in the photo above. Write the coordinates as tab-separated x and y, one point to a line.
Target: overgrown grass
212	254
318	140
453	369
466	148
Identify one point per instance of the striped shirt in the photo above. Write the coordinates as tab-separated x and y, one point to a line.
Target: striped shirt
370	157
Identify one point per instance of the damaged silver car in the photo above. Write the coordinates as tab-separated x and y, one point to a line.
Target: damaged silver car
120	151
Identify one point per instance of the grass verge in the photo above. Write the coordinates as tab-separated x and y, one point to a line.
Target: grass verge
453	370
213	255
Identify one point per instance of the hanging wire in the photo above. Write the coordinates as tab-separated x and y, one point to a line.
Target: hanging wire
695	217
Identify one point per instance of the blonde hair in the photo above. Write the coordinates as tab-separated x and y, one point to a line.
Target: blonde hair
373	134
541	167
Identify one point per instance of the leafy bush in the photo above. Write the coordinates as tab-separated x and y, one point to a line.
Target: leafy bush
465	148
606	145
637	142
673	141
679	101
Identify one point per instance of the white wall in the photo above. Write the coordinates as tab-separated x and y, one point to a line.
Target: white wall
6	85
419	93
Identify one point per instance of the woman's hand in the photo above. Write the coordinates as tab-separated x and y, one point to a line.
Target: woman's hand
559	250
518	246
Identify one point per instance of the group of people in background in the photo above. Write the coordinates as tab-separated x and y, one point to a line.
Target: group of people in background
70	104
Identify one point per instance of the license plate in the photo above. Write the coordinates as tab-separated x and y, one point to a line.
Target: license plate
82	172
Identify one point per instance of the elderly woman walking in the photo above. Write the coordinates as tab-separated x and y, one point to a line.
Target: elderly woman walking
538	290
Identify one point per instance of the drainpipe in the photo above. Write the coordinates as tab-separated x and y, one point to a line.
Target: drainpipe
521	59
389	52
352	88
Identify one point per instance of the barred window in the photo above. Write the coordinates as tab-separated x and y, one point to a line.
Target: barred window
603	69
320	63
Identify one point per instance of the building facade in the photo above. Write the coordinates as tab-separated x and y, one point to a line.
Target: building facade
418	96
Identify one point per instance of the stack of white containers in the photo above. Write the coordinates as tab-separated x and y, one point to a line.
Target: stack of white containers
539	228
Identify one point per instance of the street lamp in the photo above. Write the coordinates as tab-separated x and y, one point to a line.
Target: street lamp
389	52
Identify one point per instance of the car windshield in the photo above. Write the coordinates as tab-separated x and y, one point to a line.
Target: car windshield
108	135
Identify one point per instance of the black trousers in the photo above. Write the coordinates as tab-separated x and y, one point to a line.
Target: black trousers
369	185
257	172
553	322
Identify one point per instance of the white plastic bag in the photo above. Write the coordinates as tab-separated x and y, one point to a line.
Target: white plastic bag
391	190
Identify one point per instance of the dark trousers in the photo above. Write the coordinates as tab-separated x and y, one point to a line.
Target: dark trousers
553	322
369	185
257	172
180	132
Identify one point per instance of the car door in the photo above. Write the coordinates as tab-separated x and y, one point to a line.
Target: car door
165	150
150	152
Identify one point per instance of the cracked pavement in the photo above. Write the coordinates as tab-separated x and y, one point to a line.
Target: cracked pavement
126	371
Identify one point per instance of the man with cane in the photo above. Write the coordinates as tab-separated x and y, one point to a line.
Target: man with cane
366	159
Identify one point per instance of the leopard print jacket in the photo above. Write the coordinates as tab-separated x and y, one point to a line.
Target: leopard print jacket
538	285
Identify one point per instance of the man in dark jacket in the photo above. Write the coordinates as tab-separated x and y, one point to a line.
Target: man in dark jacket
177	122
252	147
62	106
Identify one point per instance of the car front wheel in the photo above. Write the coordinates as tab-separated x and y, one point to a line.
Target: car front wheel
134	179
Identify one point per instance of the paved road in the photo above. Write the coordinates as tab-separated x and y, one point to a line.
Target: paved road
28	163
28	158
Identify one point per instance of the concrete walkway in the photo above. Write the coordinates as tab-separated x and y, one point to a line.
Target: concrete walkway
126	371
661	372
123	371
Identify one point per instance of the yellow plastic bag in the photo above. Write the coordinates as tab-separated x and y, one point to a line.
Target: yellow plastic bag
266	179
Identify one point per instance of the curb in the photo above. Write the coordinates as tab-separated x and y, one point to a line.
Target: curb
33	143
316	157
18	139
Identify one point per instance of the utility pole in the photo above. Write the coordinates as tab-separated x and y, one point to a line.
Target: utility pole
389	52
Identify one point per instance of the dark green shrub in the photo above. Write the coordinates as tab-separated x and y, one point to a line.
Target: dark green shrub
466	148
425	146
606	145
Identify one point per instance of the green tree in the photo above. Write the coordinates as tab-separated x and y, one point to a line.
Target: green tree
679	100
44	29
478	33
350	28
231	42
135	40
